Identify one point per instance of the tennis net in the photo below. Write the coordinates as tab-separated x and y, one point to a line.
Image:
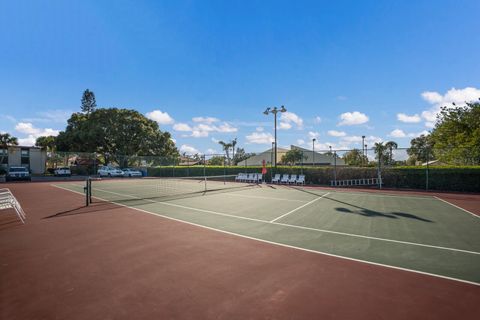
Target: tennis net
162	188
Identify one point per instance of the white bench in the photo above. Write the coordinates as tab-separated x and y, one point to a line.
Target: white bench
356	182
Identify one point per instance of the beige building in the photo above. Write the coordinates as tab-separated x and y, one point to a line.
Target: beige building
33	158
319	159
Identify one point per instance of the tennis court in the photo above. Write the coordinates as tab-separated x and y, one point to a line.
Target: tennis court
420	233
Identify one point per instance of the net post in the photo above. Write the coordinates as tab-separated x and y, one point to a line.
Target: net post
86	190
90	189
224	170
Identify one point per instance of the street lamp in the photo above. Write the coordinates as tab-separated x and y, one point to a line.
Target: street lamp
366	154
274	110
313	151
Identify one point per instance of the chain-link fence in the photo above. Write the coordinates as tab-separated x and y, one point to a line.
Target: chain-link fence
427	169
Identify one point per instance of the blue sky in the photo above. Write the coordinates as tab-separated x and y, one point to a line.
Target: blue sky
206	70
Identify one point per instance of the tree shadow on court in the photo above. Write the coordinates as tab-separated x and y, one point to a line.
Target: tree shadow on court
368	212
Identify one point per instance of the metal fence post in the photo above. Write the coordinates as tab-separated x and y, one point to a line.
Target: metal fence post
335	167
427	170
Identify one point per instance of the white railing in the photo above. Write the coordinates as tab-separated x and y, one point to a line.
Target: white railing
8	201
356	182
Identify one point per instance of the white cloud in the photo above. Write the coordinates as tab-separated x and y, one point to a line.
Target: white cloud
185	148
284	126
33	133
57	116
208	120
226	128
397	133
215	140
289	118
457	96
317	120
259	129
181	127
199	134
211	151
352	118
408	119
313	134
335	133
160	117
300	142
8	117
352	139
259	138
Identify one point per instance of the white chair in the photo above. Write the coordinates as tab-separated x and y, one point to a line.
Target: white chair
239	177
293	179
250	177
259	178
8	201
300	179
276	178
284	178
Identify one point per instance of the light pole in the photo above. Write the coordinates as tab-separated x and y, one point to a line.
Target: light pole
313	151
366	154
363	148
274	110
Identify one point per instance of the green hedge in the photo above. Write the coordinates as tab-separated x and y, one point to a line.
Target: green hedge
439	178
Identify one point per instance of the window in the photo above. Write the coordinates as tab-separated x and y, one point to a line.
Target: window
3	156
25	155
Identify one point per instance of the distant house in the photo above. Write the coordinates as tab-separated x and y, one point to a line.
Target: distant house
266	155
33	158
434	163
319	159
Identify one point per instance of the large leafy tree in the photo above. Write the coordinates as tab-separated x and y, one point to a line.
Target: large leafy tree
46	142
457	134
216	161
292	156
420	149
354	158
89	103
115	132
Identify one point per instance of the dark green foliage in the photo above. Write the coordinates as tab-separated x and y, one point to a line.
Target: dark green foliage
420	149
114	132
457	135
88	102
292	156
440	178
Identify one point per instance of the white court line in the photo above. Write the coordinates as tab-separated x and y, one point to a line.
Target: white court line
260	197
292	225
382	195
473	214
285	245
298	208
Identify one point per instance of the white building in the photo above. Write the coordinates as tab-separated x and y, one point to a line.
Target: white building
33	158
309	158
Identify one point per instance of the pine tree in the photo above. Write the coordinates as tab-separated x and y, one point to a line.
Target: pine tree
88	102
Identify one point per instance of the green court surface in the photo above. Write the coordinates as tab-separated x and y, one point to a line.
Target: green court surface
417	233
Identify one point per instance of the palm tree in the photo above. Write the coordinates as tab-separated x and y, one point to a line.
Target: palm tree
226	147
5	141
379	149
234	143
390	145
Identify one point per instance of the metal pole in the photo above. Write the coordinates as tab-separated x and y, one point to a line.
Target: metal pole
335	167
204	171
271	162
275	116
363	150
427	173
313	152
379	174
